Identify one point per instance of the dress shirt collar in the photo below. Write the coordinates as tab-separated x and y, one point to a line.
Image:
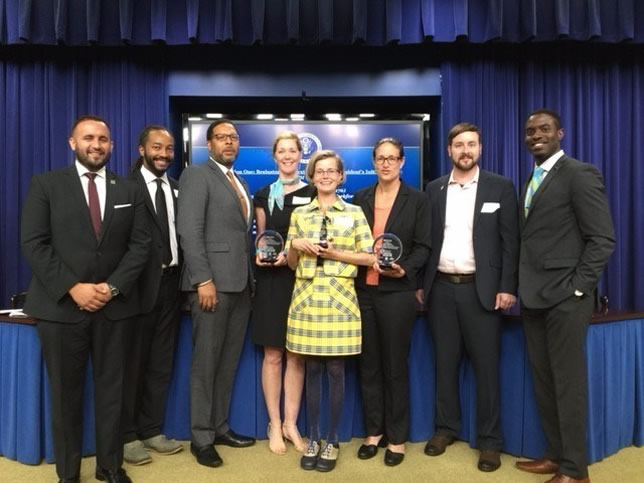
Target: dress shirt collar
150	177
101	173
338	205
223	168
474	180
548	164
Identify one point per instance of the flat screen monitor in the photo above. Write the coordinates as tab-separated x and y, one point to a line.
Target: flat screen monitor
353	141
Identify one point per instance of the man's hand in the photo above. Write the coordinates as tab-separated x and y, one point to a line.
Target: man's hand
89	296
208	296
504	301
420	296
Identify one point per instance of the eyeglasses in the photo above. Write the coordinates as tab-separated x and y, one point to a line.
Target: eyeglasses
388	159
224	137
325	172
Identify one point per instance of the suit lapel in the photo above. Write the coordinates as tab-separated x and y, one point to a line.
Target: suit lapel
481	195
146	196
110	187
399	204
228	185
369	209
543	187
442	199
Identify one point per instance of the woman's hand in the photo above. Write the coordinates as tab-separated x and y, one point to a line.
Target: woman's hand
281	261
305	246
395	271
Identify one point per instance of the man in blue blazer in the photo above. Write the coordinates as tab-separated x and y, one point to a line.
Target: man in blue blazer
567	237
85	235
470	278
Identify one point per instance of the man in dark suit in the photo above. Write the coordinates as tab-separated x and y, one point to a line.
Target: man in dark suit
153	338
470	278
85	235
215	218
567	237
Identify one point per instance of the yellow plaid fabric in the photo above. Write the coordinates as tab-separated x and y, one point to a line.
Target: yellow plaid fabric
324	317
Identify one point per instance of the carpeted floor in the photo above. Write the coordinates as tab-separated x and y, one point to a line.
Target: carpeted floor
257	464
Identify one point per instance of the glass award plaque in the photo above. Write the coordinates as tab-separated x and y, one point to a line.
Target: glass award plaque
388	249
269	245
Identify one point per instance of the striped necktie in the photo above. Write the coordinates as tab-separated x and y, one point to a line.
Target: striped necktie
533	186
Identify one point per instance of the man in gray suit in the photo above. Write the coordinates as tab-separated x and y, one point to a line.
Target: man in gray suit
214	222
567	237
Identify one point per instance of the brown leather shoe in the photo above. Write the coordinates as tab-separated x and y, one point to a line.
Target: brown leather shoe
559	478
489	460
541	467
436	446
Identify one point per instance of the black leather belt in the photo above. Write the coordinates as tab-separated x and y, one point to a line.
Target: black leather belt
456	277
170	270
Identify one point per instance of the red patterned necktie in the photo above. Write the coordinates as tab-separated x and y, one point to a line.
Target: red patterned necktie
94	204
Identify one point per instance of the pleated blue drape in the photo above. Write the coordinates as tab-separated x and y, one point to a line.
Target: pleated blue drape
376	22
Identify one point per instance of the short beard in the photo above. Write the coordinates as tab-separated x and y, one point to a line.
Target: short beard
83	159
148	162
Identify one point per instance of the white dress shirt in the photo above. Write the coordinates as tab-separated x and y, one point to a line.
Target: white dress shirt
151	183
457	253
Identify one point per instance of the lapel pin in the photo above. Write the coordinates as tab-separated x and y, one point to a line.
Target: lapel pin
112	181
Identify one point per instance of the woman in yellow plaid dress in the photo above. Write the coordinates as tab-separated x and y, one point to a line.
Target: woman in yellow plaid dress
327	240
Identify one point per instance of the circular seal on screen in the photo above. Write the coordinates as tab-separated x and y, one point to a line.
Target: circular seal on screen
310	144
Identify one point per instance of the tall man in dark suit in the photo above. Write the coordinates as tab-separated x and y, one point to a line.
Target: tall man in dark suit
85	235
470	278
567	237
215	218
153	338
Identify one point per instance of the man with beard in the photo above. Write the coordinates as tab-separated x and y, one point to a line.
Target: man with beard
567	237
470	278
153	338
215	219
85	235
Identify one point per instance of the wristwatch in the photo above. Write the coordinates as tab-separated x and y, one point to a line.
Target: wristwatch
113	290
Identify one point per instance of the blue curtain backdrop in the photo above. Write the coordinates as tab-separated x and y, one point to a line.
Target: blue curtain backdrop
374	22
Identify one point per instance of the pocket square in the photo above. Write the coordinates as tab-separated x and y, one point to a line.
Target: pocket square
490	207
116	207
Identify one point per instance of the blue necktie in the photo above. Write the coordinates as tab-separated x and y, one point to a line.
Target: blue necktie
533	186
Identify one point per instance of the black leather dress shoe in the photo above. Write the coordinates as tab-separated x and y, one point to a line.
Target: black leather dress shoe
393	459
489	460
234	440
368	451
206	455
112	476
437	444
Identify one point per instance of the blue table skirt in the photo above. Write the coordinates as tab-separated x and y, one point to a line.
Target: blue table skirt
615	355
